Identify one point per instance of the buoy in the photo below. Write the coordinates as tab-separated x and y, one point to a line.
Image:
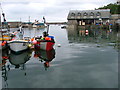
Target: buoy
98	45
86	32
5	57
32	39
46	64
2	44
34	42
47	38
59	45
30	45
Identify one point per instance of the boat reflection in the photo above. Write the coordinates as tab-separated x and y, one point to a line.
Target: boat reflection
5	57
99	36
10	59
18	60
45	56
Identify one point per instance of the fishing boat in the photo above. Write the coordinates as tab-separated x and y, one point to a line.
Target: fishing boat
5	34
18	45
38	24
4	37
63	27
45	44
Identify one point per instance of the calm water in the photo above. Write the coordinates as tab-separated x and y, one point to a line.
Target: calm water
79	62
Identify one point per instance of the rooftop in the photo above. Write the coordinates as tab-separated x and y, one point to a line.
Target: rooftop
89	14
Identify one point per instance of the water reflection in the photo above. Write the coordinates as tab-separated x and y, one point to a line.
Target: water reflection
16	59
5	57
19	59
45	56
88	63
99	36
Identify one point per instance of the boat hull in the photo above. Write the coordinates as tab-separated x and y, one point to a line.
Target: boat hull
18	46
44	45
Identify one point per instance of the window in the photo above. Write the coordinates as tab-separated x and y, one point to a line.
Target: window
72	14
98	14
79	14
91	14
85	14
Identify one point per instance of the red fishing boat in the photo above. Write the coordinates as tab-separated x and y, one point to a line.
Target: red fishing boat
46	43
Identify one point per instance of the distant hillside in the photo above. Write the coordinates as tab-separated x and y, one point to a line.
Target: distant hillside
114	8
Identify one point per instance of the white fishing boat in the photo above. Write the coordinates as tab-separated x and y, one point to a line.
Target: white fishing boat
18	45
38	24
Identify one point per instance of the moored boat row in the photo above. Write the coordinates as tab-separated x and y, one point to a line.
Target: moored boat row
20	44
17	42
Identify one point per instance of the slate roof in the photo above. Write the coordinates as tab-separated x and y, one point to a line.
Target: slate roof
89	14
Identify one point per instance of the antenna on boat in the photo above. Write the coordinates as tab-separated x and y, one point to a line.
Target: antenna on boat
4	19
29	19
44	19
0	17
0	23
20	19
3	14
45	24
47	28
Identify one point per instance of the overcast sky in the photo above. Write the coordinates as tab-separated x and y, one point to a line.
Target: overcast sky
53	10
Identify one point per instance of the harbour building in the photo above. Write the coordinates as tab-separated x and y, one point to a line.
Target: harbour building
88	17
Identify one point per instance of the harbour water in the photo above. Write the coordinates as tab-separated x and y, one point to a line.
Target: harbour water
76	62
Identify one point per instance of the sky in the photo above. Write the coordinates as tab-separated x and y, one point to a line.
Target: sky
52	10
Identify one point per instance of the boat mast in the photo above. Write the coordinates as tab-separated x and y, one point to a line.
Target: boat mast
29	23
4	20
44	20
29	19
1	11
20	20
1	34
0	23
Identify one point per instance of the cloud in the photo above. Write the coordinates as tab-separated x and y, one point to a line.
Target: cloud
53	10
